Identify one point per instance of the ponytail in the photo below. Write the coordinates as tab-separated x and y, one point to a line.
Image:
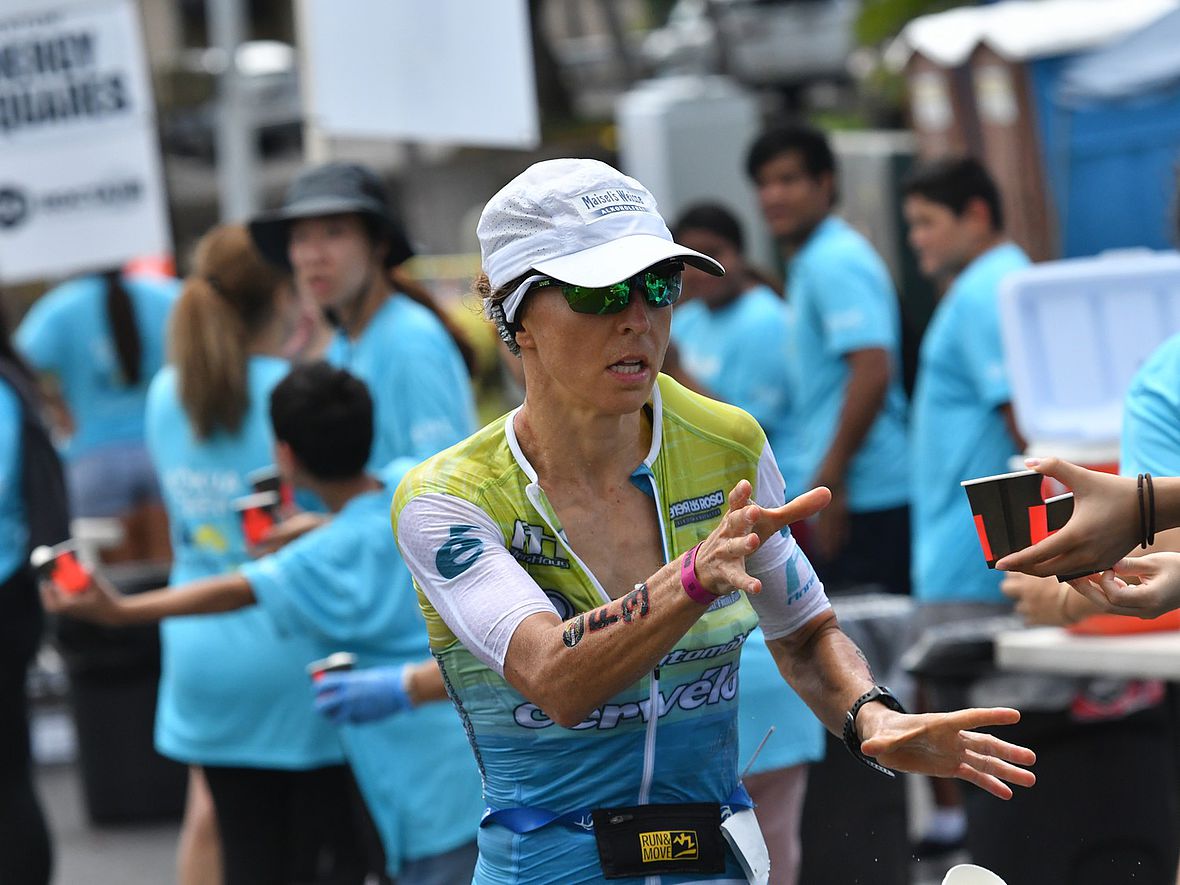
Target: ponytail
125	331
209	351
414	290
230	298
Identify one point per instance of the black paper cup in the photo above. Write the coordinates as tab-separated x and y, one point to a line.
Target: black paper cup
1010	513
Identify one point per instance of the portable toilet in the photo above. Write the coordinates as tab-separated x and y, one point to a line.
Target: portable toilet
1015	53
1075	332
1112	140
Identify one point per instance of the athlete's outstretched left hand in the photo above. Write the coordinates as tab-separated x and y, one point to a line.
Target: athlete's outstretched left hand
946	745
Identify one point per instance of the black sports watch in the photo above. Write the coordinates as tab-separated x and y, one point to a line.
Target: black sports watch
852	740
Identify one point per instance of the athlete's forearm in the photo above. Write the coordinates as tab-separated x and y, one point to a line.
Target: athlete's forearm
825	668
570	668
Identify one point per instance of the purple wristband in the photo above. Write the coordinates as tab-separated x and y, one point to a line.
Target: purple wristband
688	579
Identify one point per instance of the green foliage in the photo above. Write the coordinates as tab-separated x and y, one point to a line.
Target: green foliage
881	19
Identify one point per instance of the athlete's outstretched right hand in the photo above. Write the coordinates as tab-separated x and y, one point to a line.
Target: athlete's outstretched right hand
721	559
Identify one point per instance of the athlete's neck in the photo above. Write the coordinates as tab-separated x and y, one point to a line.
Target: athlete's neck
582	449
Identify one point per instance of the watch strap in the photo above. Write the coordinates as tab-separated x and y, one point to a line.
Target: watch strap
852	739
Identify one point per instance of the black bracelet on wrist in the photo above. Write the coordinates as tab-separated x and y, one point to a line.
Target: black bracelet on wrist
852	739
1142	514
1150	510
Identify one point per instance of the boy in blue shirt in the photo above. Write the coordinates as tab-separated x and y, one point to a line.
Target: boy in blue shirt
962	423
848	406
344	585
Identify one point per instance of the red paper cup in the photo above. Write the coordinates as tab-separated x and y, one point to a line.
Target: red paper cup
341	660
268	479
258	514
59	564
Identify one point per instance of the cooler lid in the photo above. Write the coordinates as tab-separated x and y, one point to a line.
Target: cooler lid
1076	331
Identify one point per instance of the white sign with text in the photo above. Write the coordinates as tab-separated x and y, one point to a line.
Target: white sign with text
458	73
81	184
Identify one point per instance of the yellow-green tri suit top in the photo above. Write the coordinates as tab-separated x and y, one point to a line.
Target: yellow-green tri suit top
487	550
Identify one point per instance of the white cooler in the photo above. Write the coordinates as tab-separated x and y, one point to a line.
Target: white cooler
1075	332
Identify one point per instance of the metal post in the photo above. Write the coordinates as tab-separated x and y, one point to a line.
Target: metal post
235	124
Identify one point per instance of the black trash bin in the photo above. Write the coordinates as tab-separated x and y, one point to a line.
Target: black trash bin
114	674
1104	808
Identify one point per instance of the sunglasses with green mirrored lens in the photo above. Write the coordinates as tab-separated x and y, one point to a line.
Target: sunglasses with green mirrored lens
660	286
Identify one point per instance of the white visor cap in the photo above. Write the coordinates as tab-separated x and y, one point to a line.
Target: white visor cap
579	221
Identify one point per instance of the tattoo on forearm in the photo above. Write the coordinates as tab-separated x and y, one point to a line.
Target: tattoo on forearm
635	604
860	654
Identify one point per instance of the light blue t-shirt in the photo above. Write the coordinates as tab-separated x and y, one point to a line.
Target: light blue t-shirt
740	353
233	691
1151	415
14	533
422	399
842	300
67	334
345	587
958	431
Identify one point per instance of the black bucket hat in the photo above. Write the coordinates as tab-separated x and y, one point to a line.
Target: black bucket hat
331	189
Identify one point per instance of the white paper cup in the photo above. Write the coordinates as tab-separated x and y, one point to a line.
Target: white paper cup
970	874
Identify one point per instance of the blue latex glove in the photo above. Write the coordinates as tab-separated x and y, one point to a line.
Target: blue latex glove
353	696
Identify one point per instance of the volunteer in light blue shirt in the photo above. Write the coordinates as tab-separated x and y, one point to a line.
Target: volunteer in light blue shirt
848	406
842	301
731	337
101	339
26	854
1151	416
345	587
337	232
233	691
962	418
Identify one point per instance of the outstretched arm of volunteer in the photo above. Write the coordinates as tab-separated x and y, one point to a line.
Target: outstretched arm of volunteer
1105	525
415	683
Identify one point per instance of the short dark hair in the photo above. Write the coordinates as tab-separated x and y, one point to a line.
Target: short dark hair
714	218
954	182
325	415
810	143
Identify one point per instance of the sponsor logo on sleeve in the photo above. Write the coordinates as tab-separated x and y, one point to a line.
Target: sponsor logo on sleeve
458	553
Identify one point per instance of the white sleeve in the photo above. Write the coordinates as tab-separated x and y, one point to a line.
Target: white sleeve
792	593
457	555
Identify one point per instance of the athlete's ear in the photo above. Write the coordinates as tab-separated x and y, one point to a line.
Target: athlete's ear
524	339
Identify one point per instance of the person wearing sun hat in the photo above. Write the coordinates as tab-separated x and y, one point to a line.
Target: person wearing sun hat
590	564
341	239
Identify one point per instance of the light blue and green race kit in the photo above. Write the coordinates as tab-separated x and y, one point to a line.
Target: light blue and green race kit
487	550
